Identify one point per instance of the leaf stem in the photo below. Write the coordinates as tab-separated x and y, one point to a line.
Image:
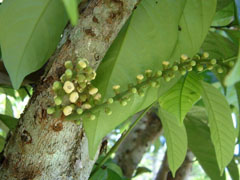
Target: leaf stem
120	140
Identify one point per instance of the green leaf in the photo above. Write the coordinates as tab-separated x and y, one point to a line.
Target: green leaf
233	170
72	10
114	167
2	143
199	142
142	170
144	43
224	16
221	124
182	96
9	121
234	75
30	35
8	107
223	3
176	139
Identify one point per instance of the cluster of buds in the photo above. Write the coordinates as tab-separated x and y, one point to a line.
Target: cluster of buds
74	93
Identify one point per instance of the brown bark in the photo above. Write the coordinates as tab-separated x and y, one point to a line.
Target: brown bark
181	174
137	143
46	148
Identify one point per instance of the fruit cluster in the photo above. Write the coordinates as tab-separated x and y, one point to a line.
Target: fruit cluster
75	95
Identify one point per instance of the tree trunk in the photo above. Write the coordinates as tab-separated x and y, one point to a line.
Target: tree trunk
46	148
181	174
137	143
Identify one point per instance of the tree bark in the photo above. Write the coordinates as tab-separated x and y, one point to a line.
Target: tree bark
181	174
46	148
137	143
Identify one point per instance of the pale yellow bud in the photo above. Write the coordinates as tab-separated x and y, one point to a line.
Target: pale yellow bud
98	96
86	106
93	91
184	57
68	87
82	64
73	97
116	87
140	77
67	110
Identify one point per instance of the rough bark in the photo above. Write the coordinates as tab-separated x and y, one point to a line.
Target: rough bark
46	148
137	143
181	174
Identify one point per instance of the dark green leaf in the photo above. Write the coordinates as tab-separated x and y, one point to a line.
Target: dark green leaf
224	16
141	170
233	170
199	142
222	4
30	35
223	134
176	139
72	10
114	167
9	121
182	96
2	143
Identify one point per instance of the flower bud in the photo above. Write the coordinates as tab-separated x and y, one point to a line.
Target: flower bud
209	66
183	72
79	111
83	97
81	64
220	70
140	77
158	73
205	55
116	89
58	100
92	117
141	93
183	58
148	73
200	67
134	90
68	87
73	97
110	101
68	73
189	68
63	78
165	64
231	63
108	111
57	85
213	61
50	110
123	102
175	68
153	84
68	65
98	96
93	91
86	106
81	78
67	110
167	78
193	63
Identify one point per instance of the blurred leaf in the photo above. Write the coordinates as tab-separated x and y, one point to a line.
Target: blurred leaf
112	175
234	35
182	96
100	173
222	4
144	43
176	138
234	74
114	167
233	170
199	142
222	130
30	35
2	143
224	16
141	170
9	121
8	107
72	10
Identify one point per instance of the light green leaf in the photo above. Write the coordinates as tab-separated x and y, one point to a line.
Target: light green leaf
221	124
182	96
8	107
233	170
199	142
144	43
176	139
9	121
234	75
72	10
29	36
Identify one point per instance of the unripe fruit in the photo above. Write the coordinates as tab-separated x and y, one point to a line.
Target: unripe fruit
58	101
110	101
73	97
134	90
153	84
67	110
68	65
81	78
68	87
79	111
83	97
123	102
86	106
92	117
50	110
158	73
167	78
68	73
57	85
231	63
213	61
175	68
189	68
141	93
200	68
93	91
209	66
183	72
